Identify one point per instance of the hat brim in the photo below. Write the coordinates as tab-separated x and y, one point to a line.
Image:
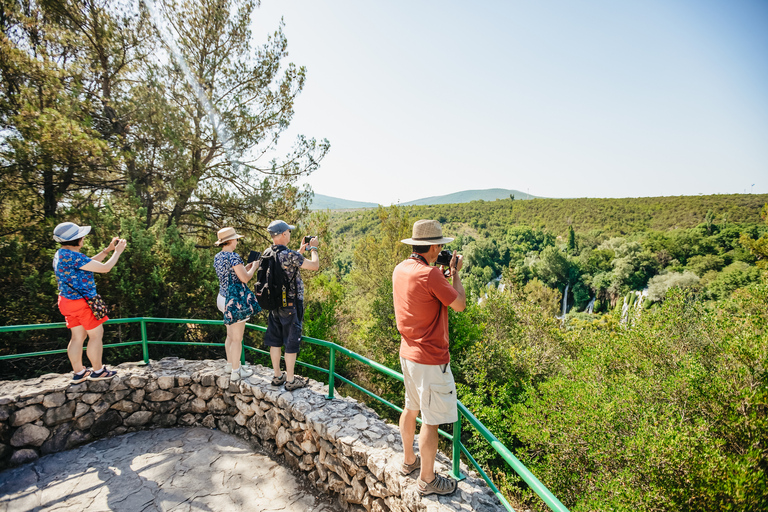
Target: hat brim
84	230
233	237
431	241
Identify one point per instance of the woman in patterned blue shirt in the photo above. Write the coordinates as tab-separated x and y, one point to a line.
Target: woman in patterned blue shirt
74	275
229	266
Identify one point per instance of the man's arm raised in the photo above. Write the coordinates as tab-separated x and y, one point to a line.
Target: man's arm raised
461	301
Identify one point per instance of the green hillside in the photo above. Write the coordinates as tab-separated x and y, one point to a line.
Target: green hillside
604	216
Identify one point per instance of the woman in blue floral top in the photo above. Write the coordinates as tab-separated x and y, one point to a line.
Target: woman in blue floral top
74	275
229	266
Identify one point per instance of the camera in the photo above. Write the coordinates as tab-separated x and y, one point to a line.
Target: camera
444	258
308	238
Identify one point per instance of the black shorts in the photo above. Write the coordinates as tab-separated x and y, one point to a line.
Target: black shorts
284	327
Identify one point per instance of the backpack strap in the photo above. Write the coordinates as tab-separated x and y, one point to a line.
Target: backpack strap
277	250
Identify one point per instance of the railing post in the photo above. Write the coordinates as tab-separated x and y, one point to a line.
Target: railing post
331	373
242	350
144	344
456	469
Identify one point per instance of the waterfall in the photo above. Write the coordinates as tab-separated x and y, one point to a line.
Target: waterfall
565	299
565	302
590	306
633	301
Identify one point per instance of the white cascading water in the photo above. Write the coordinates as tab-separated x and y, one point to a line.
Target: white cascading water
591	306
565	302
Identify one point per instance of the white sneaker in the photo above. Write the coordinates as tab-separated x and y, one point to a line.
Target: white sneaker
240	373
228	368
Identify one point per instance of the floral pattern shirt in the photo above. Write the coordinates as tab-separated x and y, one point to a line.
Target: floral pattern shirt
291	262
71	280
224	263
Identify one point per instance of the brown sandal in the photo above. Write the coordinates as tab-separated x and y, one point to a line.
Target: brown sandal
296	383
278	381
440	485
407	469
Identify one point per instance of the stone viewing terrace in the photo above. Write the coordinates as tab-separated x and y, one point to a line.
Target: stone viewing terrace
338	448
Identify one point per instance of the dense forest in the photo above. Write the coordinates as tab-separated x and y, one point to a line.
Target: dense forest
649	393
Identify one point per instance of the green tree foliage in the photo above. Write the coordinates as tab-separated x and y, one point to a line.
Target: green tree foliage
92	100
238	103
51	151
758	247
660	284
667	415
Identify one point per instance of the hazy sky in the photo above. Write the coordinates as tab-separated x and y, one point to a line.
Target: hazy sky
555	98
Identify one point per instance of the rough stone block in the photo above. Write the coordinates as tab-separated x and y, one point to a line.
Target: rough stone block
164	420
57	442
126	406
160	395
29	435
26	415
209	421
138	396
197	405
60	414
54	400
81	409
98	386
294	448
203	392
161	407
23	456
106	423
84	422
100	407
138	419
187	420
165	382
217	406
115	396
136	381
78	437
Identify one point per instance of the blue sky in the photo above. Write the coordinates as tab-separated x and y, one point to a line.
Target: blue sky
555	98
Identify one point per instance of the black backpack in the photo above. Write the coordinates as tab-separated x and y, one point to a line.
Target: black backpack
272	283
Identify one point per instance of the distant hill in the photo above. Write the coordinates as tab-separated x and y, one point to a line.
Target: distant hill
321	202
466	196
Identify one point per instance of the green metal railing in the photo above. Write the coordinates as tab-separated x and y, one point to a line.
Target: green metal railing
457	447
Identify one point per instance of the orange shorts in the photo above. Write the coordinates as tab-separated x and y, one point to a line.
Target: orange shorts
78	312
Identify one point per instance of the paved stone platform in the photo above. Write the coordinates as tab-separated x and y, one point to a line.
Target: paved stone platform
174	469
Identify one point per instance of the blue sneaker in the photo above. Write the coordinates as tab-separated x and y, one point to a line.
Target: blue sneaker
102	374
77	378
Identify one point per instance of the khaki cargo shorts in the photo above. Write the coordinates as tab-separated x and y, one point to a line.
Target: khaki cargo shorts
430	389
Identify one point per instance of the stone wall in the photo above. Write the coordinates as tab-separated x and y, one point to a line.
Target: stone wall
340	445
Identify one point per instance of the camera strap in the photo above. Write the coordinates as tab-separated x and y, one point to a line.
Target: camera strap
417	256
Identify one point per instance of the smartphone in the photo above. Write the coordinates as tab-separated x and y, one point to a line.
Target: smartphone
307	239
253	256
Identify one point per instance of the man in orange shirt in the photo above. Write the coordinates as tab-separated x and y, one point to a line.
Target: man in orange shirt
422	294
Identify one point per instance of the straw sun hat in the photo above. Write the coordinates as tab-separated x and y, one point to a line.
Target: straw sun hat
427	232
226	234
